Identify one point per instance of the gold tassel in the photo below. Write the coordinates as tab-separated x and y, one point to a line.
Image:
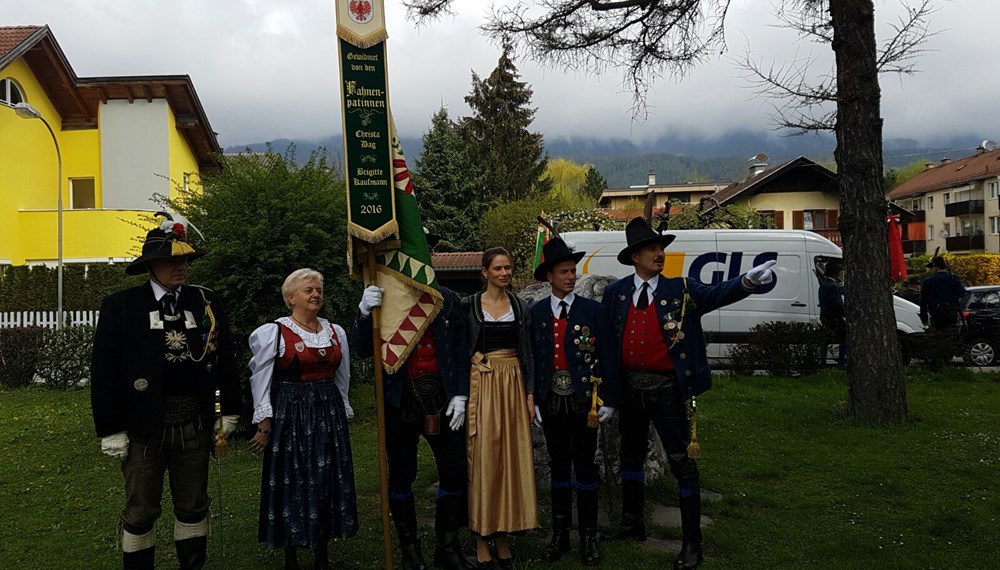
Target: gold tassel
595	401
694	450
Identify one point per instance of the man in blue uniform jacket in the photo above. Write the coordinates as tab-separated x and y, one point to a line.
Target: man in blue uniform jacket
941	296
161	351
434	375
657	325
575	356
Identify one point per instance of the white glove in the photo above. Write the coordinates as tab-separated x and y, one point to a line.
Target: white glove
371	298
115	445
538	417
604	413
229	424
456	411
762	274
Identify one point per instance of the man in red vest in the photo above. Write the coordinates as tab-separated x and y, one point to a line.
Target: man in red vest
664	364
572	344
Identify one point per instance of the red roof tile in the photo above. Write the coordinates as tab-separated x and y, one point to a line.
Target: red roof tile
13	36
457	261
954	173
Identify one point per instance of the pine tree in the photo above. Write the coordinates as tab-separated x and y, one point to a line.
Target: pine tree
510	159
446	184
594	184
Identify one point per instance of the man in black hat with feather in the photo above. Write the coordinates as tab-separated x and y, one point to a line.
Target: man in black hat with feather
161	351
576	388
657	322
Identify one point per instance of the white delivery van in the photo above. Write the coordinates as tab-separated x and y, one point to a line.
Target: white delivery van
713	256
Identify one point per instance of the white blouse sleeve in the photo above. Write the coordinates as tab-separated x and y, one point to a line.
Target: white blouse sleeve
263	344
342	378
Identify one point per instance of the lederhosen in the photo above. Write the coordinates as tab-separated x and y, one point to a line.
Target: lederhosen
182	447
420	411
652	394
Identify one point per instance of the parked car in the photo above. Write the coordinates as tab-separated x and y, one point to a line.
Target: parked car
981	316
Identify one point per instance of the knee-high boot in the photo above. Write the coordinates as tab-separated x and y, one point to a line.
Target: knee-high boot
404	515
448	547
690	555
191	542
138	550
586	512
562	521
633	510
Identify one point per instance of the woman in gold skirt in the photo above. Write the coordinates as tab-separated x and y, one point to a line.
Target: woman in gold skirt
502	498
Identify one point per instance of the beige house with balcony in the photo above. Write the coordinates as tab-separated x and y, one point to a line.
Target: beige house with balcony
626	203
798	194
955	203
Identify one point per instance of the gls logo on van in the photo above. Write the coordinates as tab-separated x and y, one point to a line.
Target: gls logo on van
697	271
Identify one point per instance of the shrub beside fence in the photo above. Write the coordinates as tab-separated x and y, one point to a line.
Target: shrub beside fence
19	349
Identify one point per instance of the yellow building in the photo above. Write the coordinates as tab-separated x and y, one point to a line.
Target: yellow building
798	194
122	140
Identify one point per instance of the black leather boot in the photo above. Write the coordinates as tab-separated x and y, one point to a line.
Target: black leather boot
321	556
633	508
448	549
191	552
690	555
586	512
404	515
140	560
562	521
291	558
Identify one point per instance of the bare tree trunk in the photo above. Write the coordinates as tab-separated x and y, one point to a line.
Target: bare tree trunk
876	393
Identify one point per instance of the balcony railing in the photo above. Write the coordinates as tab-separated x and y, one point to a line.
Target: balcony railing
832	235
964	208
918	216
966	243
916	247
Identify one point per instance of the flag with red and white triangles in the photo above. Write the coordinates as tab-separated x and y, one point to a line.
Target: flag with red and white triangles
410	299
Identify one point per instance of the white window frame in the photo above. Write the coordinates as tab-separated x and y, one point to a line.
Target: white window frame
947	198
6	84
994	225
930	232
993	189
930	202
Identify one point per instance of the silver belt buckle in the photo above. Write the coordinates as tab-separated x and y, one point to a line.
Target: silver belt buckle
562	383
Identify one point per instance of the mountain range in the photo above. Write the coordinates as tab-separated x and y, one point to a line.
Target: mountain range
675	159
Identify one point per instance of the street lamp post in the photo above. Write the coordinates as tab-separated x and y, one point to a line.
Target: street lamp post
26	111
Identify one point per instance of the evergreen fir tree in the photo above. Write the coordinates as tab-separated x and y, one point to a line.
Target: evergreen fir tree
594	184
510	159
446	185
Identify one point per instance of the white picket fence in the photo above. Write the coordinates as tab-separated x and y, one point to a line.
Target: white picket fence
46	319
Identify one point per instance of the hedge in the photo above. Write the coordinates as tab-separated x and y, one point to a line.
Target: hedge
973	269
19	349
34	288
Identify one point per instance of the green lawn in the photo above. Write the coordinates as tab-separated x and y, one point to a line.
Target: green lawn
802	487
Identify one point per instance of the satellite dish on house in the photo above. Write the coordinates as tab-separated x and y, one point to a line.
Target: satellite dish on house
989	145
944	234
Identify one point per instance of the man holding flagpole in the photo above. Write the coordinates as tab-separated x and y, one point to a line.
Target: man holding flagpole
387	247
432	381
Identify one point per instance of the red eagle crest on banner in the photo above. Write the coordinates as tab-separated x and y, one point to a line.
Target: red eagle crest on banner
361	10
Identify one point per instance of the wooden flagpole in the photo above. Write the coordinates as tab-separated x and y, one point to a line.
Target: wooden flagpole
383	466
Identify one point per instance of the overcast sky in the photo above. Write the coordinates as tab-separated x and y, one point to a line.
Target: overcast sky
266	69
